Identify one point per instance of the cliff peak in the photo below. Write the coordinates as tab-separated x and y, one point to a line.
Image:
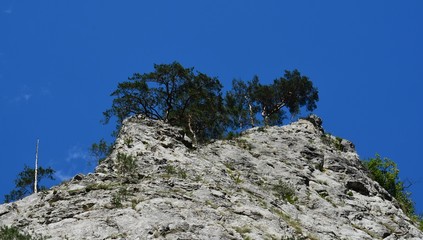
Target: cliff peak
289	182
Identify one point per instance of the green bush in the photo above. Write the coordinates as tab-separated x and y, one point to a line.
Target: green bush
129	141
332	141
24	183
285	191
338	144
99	151
171	170
386	173
231	135
119	197
126	163
13	233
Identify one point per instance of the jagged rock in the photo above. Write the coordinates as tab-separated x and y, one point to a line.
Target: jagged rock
358	186
290	182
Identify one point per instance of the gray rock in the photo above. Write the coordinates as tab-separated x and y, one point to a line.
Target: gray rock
290	182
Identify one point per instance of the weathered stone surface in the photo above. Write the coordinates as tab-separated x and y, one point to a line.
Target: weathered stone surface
234	189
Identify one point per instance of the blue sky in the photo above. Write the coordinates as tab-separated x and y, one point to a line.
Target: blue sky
60	60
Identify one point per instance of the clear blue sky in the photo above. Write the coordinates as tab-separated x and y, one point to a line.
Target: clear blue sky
60	60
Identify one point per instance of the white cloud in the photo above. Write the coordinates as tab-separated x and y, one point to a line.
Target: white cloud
45	91
61	176
76	153
23	97
26	96
26	93
75	159
9	10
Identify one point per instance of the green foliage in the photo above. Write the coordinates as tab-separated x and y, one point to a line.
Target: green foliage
236	176
338	144
326	139
296	91
292	222
126	163
292	91
100	150
118	197
248	99
320	166
243	231
24	184
13	233
332	141
243	143
386	173
128	141
171	170
193	101
116	201
231	135
285	191
182	174
241	105
174	94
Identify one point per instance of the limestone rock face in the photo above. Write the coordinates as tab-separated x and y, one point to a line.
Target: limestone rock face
290	182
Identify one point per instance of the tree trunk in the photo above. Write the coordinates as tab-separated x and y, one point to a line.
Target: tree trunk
36	168
191	130
265	116
250	106
166	117
266	113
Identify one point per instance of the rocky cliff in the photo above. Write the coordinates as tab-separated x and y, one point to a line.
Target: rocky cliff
290	182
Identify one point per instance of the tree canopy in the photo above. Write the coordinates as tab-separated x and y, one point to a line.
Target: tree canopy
99	151
24	184
241	103
194	101
174	94
248	99
386	173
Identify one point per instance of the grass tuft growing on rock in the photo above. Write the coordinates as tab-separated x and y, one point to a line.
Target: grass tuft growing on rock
14	233
243	231
332	141
126	163
285	191
119	197
171	170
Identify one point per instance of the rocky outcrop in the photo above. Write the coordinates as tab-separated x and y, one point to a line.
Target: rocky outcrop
290	182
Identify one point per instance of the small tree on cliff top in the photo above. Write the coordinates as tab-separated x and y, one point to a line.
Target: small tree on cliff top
174	94
248	99
25	182
241	104
292	91
193	100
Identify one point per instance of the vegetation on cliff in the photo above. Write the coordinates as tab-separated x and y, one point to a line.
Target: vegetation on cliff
195	102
